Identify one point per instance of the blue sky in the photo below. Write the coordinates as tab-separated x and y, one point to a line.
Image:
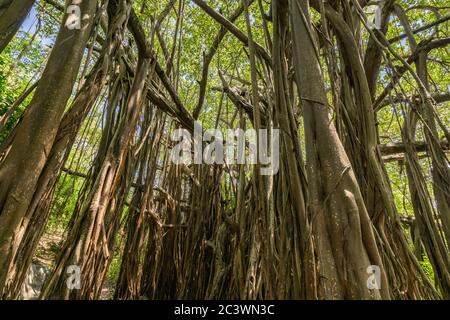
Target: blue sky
30	24
30	21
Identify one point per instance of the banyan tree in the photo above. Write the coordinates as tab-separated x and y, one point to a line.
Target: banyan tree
118	118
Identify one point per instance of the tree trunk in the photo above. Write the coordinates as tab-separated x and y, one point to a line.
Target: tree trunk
93	232
31	145
335	198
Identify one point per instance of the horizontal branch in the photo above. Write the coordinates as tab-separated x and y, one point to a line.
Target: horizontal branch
423	28
399	147
424	46
438	98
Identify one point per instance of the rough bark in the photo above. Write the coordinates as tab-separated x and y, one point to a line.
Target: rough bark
21	167
336	202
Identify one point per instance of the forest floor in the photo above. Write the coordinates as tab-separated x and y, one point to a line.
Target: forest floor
48	248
